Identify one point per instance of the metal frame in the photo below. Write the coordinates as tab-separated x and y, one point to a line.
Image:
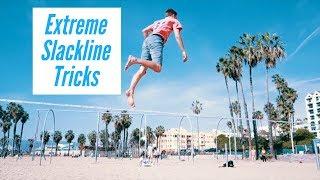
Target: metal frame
315	143
100	109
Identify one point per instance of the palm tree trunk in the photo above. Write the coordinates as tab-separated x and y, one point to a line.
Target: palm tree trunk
19	149
239	115
68	149
254	123
269	122
127	134
8	141
246	115
106	138
56	149
231	113
3	143
14	138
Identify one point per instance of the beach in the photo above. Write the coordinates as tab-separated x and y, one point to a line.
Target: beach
204	167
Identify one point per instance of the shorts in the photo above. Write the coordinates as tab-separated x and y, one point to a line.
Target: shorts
152	49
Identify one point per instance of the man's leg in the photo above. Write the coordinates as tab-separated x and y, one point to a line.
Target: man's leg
135	79
146	63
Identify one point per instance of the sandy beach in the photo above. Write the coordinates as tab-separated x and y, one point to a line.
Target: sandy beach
204	167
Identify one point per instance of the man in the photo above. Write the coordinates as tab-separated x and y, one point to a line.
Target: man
155	36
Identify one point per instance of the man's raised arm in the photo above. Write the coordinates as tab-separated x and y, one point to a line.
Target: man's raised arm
146	31
177	34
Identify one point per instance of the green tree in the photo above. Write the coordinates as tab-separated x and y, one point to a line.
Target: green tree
16	112
92	136
104	139
303	137
69	136
159	133
224	66
81	142
150	136
30	141
126	120
24	119
221	141
196	108
252	56
107	118
57	136
45	137
273	50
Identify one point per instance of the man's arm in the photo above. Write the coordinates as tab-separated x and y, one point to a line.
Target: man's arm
177	34
146	31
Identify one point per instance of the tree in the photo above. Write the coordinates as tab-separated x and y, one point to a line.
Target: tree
257	115
69	136
57	136
104	139
92	136
273	50
221	141
252	56
82	142
16	112
30	141
126	120
24	119
159	132
150	136
45	137
5	124
303	137
237	57
107	118
224	67
196	108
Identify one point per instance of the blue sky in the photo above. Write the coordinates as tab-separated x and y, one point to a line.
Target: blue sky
209	29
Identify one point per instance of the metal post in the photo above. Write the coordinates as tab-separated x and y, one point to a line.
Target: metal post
35	135
198	133
192	144
291	135
139	142
315	144
145	135
226	153
216	138
43	130
178	137
97	137
230	149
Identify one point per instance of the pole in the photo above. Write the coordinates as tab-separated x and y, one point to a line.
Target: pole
145	135
226	153
315	143
230	149
291	135
97	137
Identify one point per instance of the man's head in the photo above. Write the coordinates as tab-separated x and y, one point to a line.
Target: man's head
171	12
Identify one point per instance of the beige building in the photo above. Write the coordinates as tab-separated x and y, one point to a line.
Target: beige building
169	140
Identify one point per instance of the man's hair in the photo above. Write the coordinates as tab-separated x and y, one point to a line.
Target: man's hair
171	11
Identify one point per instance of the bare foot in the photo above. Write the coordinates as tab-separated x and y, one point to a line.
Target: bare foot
130	98
131	60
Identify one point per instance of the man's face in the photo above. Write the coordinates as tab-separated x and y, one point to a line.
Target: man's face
170	15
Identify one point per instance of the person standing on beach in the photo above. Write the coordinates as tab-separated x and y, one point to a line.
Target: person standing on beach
155	36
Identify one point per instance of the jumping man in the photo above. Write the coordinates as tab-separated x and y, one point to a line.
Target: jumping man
155	36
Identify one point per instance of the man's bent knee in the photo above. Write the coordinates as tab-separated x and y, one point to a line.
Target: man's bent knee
158	68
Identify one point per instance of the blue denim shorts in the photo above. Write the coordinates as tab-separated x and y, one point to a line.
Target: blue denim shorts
152	48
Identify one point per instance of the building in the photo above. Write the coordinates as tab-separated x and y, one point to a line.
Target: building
313	112
301	124
169	140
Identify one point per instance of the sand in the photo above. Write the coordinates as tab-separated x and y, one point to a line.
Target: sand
204	167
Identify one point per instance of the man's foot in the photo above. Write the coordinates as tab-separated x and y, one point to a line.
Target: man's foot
131	60
130	98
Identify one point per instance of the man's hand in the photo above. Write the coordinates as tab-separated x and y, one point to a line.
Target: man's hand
184	56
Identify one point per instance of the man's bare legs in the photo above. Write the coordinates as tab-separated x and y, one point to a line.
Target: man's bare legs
145	64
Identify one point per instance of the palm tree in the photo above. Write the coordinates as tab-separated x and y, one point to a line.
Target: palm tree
126	120
252	56
225	68
115	137
45	136
150	135
92	136
196	108
6	125
257	115
273	51
237	56
159	132
104	139
30	145
16	112
24	119
107	118
69	136
82	142
135	136
57	136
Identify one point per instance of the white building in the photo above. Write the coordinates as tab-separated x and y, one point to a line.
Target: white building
313	112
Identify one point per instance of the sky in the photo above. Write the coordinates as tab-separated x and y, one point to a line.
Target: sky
209	29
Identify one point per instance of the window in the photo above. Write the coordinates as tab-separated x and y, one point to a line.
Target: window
318	103
311	111
317	98
310	105
313	128
312	117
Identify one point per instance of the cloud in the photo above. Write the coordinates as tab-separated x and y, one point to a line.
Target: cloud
305	41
